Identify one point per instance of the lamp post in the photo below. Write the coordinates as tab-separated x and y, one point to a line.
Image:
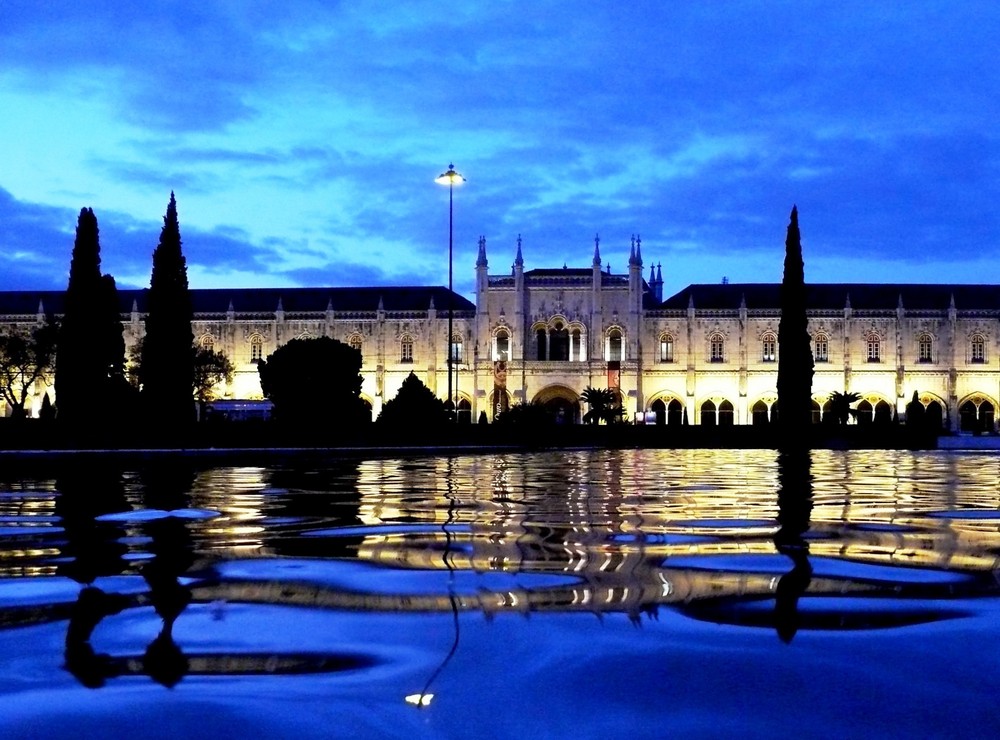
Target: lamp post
451	179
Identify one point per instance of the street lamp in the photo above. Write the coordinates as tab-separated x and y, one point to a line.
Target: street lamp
451	179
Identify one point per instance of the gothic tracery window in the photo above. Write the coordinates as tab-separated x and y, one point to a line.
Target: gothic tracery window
615	345
406	349
874	347
355	342
666	348
768	347
821	348
502	351
716	348
256	348
977	349
924	348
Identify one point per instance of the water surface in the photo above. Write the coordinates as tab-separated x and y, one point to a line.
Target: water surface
648	593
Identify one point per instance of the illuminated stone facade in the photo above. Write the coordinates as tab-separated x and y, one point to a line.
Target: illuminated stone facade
706	355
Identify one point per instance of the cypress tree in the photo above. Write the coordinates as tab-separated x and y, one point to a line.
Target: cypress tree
795	361
167	364
91	351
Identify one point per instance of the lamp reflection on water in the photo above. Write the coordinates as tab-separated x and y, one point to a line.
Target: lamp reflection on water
424	698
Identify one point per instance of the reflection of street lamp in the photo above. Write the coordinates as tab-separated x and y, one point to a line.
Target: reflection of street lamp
451	179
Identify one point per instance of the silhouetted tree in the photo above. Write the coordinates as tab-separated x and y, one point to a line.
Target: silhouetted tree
414	405
915	412
25	358
603	405
167	368
795	360
210	369
310	380
840	406
90	352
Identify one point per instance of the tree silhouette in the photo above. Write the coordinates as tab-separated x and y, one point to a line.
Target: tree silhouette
167	368
795	361
840	406
603	405
414	405
310	380
90	354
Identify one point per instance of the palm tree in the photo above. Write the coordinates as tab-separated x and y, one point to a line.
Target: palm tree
602	405
840	406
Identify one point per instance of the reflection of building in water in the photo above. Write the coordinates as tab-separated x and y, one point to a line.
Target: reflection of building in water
707	354
614	531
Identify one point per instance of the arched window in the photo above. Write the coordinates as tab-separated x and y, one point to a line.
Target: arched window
882	413
559	343
406	349
864	413
457	348
727	414
501	350
817	413
666	348
256	348
874	347
759	414
768	347
659	408
708	418
977	349
675	412
821	348
354	342
541	341
716	348
208	342
615	345
925	347
576	352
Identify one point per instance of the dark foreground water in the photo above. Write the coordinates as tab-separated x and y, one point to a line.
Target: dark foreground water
569	594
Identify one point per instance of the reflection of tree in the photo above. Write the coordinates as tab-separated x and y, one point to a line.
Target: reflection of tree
167	487
91	549
327	496
795	501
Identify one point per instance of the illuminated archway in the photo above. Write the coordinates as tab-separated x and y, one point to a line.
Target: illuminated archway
561	402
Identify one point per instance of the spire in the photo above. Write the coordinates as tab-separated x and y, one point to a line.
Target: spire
381	304
431	306
638	249
597	250
631	254
659	274
652	274
481	259
519	260
743	301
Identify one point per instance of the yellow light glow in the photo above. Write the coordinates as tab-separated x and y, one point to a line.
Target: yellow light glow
450	177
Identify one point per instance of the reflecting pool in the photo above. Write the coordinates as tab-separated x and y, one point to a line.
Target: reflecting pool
637	593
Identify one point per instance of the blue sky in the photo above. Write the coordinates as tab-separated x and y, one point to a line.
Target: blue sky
303	138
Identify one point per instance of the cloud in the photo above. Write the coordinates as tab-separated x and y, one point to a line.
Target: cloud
303	139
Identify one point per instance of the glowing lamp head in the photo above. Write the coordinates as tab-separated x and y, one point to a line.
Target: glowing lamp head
450	177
